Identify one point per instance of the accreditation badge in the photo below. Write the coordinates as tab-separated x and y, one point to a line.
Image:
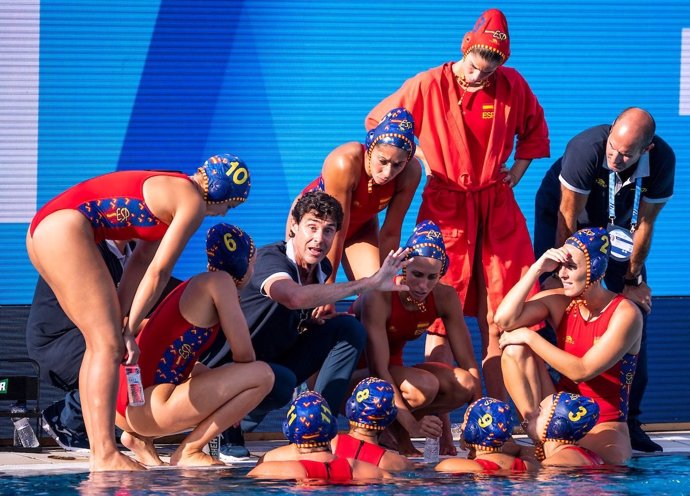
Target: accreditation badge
621	243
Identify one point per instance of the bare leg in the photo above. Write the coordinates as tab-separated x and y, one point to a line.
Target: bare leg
526	379
491	353
210	401
361	256
142	447
63	251
418	388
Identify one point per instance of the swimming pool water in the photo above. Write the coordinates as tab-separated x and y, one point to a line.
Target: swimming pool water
665	474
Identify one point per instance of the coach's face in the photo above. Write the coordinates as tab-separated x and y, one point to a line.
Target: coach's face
313	238
624	147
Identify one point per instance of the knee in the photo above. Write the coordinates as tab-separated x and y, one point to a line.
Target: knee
421	393
515	353
464	387
263	377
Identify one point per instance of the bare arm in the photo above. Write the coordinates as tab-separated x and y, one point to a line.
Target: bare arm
226	300
458	334
572	205
341	173
515	312
375	311
623	336
515	173
295	296
406	186
189	213
642	242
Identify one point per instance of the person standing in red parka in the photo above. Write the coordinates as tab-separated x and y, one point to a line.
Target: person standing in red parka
469	116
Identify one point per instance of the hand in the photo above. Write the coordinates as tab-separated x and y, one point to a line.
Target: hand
518	336
428	426
320	314
131	349
394	262
509	177
552	259
642	295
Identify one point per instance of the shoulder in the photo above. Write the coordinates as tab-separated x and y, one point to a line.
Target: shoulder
628	310
662	155
595	135
344	161
445	297
271	258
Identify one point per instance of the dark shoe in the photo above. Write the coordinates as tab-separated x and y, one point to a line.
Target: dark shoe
639	439
66	439
232	447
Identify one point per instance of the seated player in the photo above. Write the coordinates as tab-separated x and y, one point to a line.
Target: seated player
486	429
310	425
181	394
563	420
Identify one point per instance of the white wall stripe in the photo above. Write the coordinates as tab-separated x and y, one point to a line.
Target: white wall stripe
19	44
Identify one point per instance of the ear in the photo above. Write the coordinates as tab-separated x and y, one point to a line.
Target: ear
293	227
648	148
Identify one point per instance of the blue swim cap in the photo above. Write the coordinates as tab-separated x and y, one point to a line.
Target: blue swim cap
309	421
226	178
488	424
426	241
595	244
397	129
229	249
372	404
572	416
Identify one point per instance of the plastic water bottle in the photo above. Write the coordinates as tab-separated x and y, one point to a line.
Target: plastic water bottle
135	388
22	428
431	450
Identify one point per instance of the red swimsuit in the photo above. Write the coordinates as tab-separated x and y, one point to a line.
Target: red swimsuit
518	465
170	347
404	325
113	203
610	389
350	447
593	459
338	470
364	205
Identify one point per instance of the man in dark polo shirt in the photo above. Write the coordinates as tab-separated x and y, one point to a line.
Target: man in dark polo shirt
282	305
596	183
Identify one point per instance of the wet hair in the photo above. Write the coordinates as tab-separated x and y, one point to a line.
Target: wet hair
322	205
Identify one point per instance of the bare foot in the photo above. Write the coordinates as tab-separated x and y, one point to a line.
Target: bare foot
446	447
182	458
395	437
114	461
143	449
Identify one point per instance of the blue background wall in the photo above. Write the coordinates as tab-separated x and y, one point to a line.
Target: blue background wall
165	84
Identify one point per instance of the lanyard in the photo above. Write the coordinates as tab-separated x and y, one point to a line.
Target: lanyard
612	200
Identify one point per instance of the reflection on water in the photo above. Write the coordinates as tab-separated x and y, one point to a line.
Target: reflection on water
666	474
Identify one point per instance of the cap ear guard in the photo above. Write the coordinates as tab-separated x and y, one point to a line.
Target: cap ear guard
572	416
229	249
396	129
309	421
427	241
225	178
488	424
372	404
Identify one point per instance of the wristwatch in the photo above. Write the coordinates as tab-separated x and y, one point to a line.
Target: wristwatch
633	281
